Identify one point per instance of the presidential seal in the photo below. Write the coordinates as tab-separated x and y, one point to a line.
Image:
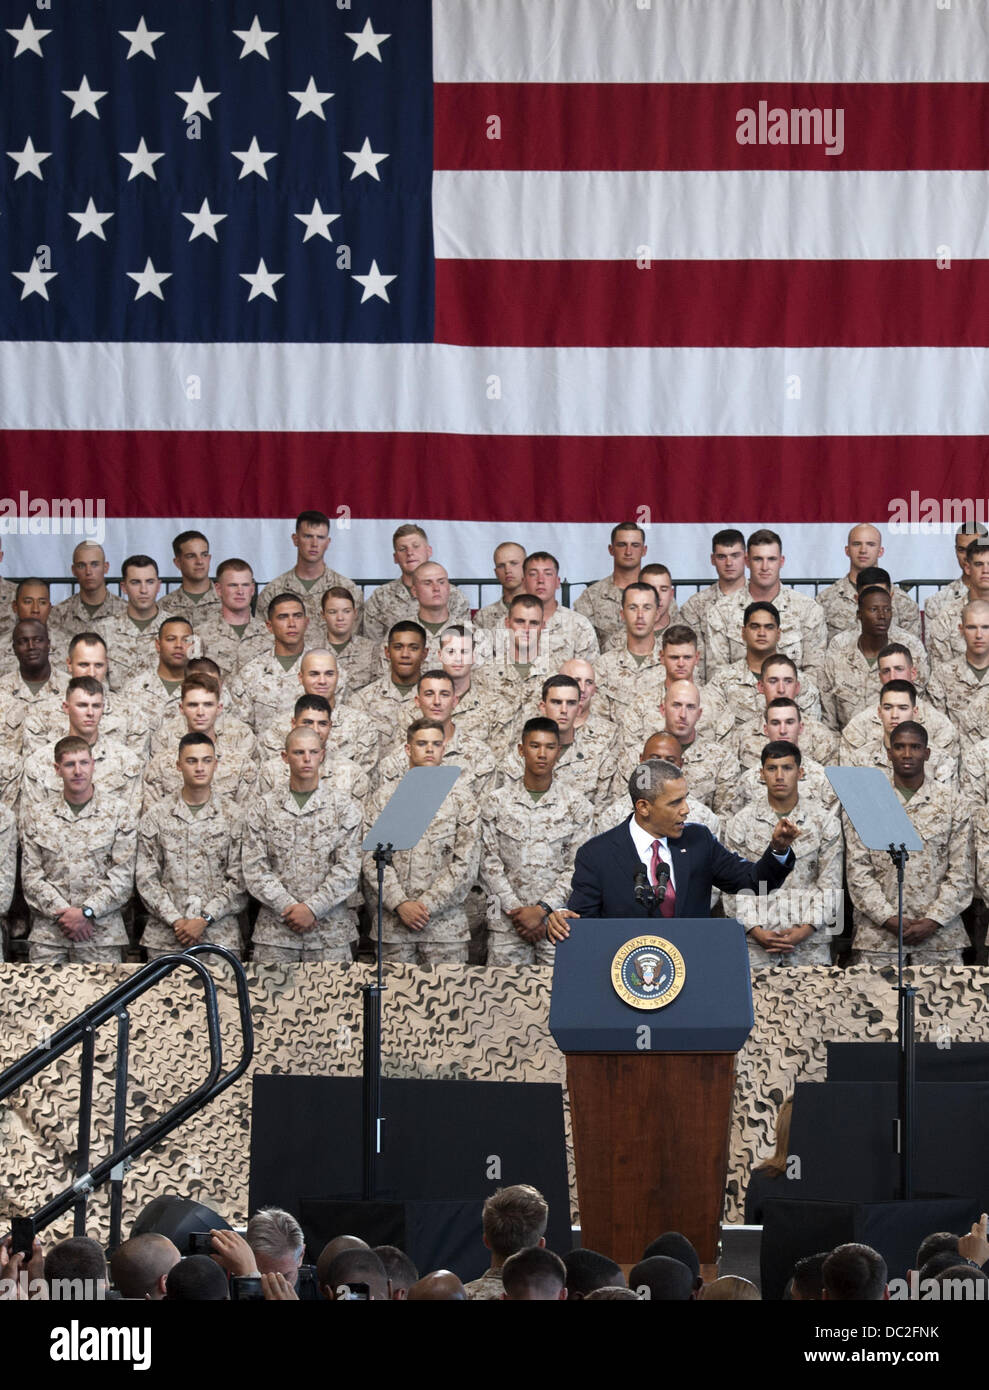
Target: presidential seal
648	972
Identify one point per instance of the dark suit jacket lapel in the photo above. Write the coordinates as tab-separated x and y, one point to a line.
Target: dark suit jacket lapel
629	862
683	860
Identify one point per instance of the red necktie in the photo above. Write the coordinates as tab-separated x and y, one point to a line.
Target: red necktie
668	905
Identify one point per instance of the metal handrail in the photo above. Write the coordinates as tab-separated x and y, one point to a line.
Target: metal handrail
82	1030
910	586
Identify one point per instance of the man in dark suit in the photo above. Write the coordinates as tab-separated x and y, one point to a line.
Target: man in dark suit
655	865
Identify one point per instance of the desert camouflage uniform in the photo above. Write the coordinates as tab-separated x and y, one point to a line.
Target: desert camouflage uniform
840	604
601	605
188	863
956	690
78	860
148	703
341	774
352	735
803	631
48	722
980	827
710	769
694	614
863	742
491	615
814	789
196	610
812	892
230	735
942	769
944	641
8	861
588	763
309	854
130	650
947	594
642	717
475	758
18	702
850	683
939	880
974	775
235	778
360	660
391	709
11	768
117	773
263	691
229	649
623	680
312	597
393	603
817	742
527	855
566	636
72	616
477	712
737	686
438	872
618	640
8	592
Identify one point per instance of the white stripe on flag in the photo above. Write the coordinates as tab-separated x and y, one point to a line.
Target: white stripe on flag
710	215
363	549
710	41
496	391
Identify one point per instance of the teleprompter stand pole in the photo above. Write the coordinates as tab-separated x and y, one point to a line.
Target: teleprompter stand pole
400	826
881	823
907	1076
371	1110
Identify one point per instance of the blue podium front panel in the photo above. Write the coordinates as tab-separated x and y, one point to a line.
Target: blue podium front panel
711	1012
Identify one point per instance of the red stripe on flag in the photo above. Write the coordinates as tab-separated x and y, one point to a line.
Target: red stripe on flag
712	303
492	477
614	125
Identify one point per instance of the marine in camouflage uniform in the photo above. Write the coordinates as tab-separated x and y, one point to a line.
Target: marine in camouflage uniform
437	872
938	882
851	681
803	631
527	854
812	891
83	859
840	603
303	854
188	864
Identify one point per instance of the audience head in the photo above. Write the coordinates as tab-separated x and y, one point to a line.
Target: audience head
587	1271
401	1272
77	1267
357	1274
196	1279
534	1275
807	1283
277	1241
140	1267
442	1286
854	1274
662	1280
514	1218
330	1251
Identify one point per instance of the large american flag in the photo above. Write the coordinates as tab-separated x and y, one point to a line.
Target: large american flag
495	262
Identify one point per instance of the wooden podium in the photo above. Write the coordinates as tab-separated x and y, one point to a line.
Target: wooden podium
651	1089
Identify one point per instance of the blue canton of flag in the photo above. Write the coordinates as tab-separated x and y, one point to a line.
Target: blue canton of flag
216	172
